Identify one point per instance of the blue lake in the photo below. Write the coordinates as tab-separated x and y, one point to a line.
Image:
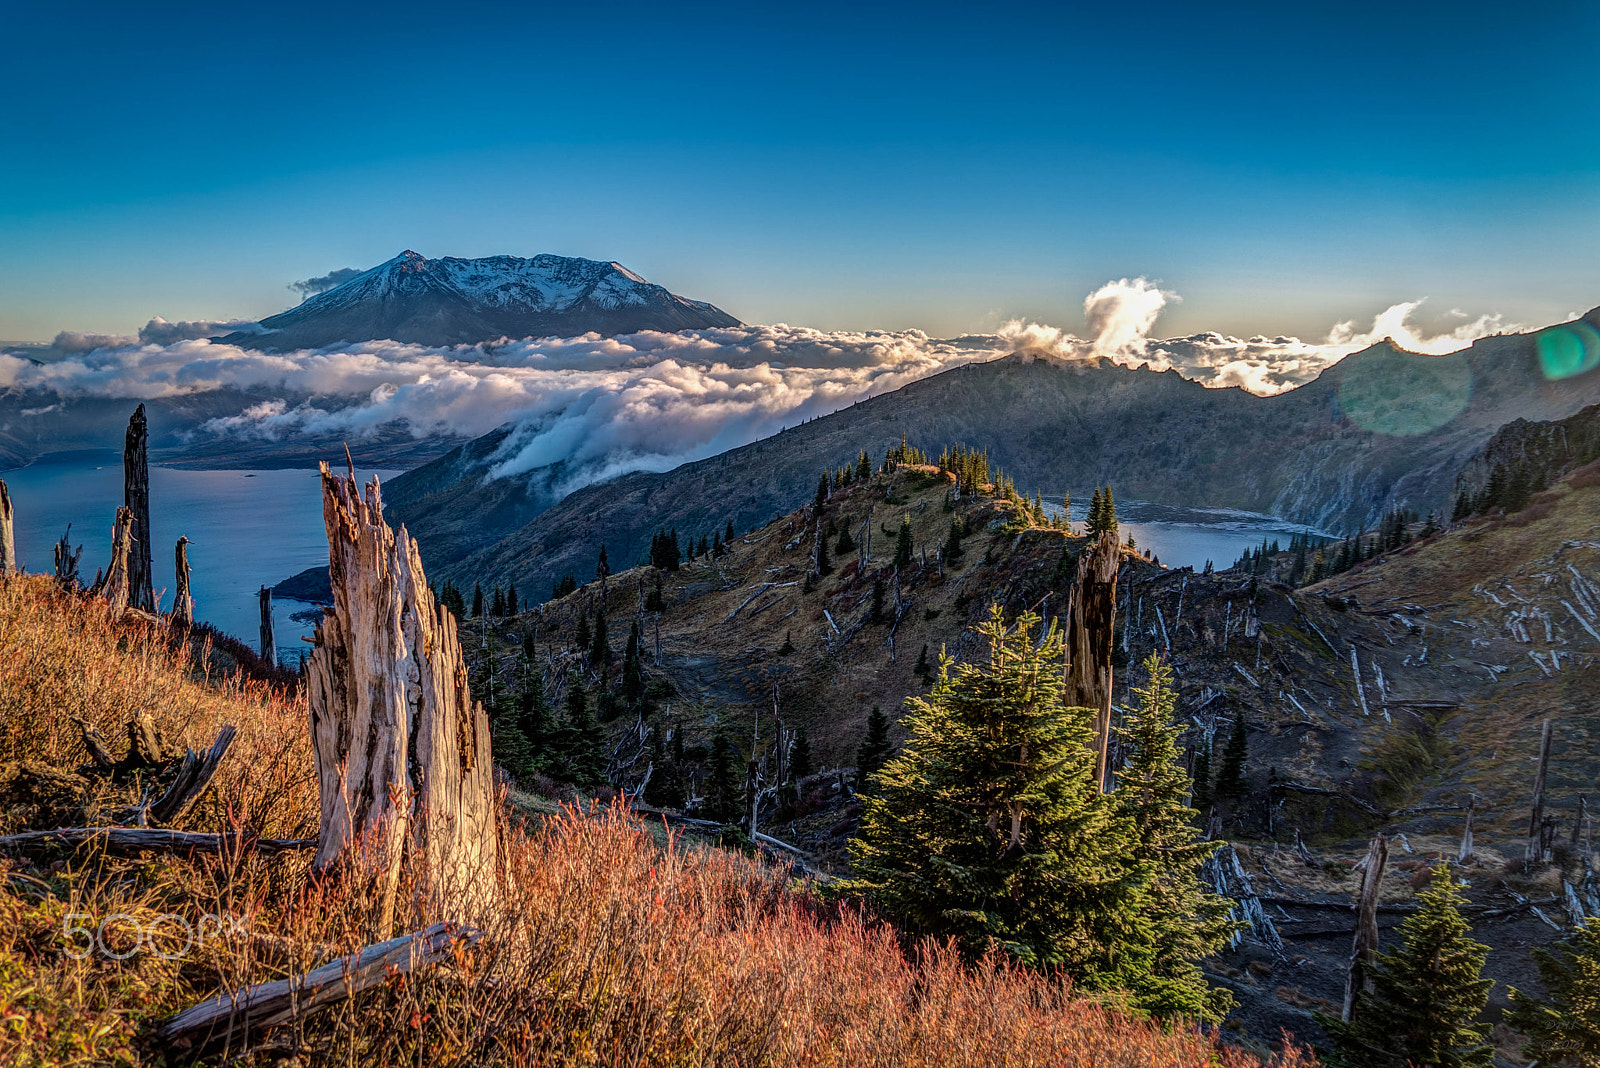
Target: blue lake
247	529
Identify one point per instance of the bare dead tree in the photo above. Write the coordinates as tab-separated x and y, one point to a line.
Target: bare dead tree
115	585
1091	619
8	541
136	498
1366	938
67	561
269	641
182	601
404	764
1535	852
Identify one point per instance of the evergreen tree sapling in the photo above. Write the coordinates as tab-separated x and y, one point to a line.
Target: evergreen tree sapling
580	756
902	545
873	751
1187	921
989	828
582	636
1565	1029
800	756
632	668
477	600
602	567
600	647
1427	994
512	607
724	799
1231	776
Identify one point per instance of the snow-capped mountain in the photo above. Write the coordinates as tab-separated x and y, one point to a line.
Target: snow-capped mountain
453	301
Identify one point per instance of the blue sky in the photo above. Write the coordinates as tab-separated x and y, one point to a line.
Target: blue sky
1281	166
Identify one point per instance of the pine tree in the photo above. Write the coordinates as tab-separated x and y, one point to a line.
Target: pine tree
1231	775
716	544
477	600
666	788
654	601
497	603
724	799
583	636
1463	507
863	466
822	495
533	710
632	668
845	544
902	545
512	607
952	543
800	756
1565	1029
1202	780
922	670
579	745
1188	922
876	615
823	562
1427	994
727	535
989	827
873	750
600	647
602	567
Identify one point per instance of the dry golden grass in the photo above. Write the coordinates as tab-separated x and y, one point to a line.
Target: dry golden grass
613	945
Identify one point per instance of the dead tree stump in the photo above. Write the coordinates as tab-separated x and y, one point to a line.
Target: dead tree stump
402	752
115	585
1090	622
182	601
8	541
1535	851
67	562
269	642
136	498
1365	944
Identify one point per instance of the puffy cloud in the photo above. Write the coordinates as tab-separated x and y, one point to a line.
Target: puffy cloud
585	408
71	341
310	287
160	332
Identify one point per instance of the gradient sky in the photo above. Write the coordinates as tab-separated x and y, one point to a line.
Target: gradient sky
1281	166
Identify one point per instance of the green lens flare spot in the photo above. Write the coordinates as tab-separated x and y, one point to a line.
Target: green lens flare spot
1403	394
1568	350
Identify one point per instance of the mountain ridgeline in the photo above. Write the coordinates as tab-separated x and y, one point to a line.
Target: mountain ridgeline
1382	429
453	301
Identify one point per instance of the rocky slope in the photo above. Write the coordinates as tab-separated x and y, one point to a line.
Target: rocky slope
1379	429
452	301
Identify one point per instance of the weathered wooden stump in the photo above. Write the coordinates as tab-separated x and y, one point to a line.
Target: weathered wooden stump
182	600
8	542
67	561
1090	623
269	640
115	585
136	498
404	766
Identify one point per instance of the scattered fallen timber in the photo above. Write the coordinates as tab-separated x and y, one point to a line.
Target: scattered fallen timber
227	1019
134	840
1346	906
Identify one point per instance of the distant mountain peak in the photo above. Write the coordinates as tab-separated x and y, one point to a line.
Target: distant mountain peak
455	301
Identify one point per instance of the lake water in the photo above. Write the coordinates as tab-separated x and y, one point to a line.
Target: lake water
246	529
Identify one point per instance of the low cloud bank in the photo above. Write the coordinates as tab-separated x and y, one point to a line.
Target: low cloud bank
603	406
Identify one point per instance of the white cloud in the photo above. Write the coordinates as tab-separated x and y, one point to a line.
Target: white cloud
160	332
601	406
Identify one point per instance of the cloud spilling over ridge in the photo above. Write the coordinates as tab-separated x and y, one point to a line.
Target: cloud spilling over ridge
310	287
590	407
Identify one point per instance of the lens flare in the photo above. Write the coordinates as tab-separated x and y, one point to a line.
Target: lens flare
1568	350
1402	394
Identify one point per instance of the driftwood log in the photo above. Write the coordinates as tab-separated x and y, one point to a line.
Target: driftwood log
136	498
182	601
1092	618
228	1019
8	540
404	766
134	840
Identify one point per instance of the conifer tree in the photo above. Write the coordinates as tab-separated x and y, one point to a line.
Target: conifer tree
952	542
666	788
654	601
902	544
1202	780
579	746
823	561
512	607
922	670
863	466
873	751
1188	922
497	603
1565	1029
632	668
989	826
674	554
477	600
511	748
876	615
1096	514
845	544
724	798
822	495
1231	780
583	637
602	567
533	709
1427	994
727	535
600	647
800	756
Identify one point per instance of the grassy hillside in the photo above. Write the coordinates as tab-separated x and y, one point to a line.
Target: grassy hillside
614	948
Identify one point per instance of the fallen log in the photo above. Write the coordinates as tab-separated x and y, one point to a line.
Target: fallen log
133	840
229	1018
194	775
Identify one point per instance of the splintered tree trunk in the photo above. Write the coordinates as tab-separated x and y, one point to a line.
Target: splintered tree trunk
1535	851
402	751
136	498
67	561
1366	939
8	542
182	601
115	585
269	641
1091	620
